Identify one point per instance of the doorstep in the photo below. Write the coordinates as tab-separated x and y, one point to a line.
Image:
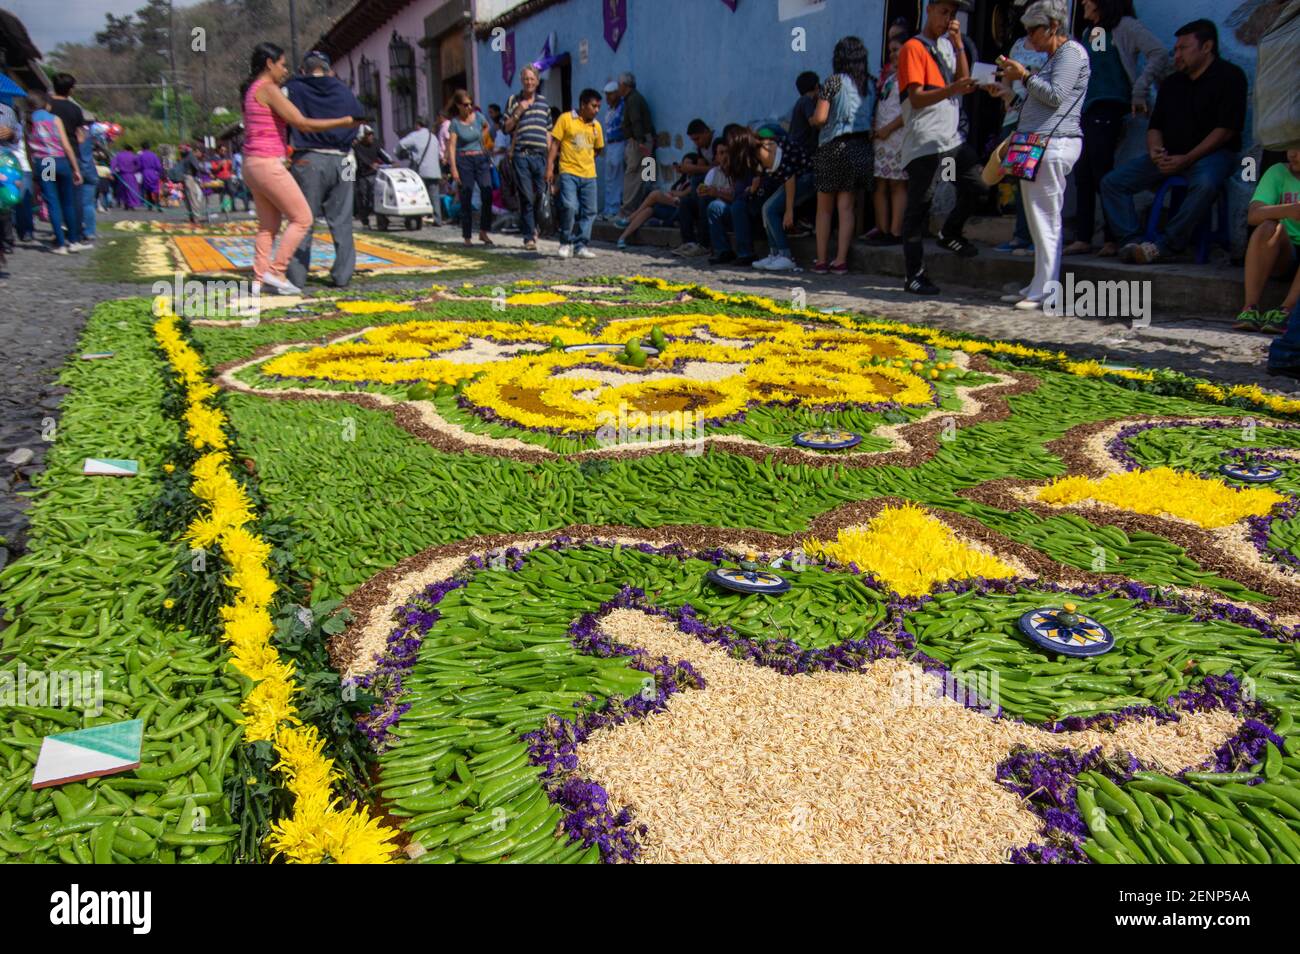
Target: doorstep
1177	291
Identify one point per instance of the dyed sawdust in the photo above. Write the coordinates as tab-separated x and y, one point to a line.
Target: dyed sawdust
852	767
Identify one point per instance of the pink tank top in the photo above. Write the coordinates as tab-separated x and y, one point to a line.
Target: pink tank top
263	130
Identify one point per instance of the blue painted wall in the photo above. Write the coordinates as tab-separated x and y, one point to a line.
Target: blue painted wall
692	57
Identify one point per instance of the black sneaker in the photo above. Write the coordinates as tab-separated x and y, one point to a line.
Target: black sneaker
1284	372
745	261
722	258
957	245
921	285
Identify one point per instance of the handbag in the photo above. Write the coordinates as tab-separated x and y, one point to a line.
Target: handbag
1024	151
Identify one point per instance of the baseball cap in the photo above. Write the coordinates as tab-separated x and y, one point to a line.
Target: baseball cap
611	87
316	60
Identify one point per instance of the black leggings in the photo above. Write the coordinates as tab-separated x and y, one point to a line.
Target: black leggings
1103	128
921	171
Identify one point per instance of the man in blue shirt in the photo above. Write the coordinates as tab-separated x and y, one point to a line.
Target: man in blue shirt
323	165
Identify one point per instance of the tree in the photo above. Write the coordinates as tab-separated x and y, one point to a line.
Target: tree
118	35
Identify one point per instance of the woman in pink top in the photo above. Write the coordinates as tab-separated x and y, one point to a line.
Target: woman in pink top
267	111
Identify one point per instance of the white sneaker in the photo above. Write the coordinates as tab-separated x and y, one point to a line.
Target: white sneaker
780	263
81	247
763	262
1013	298
280	286
1029	304
585	253
60	250
566	251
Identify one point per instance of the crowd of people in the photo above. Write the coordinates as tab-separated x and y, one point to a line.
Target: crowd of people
856	140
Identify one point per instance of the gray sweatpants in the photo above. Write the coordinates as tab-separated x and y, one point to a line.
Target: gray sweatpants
329	193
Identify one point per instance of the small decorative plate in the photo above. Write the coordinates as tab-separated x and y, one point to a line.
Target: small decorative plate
833	439
1086	637
650	350
1251	473
748	581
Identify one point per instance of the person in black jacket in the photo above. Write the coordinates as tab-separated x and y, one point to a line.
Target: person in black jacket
369	156
323	164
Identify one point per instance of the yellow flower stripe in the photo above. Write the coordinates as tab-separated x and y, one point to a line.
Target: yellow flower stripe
373	307
1273	402
909	551
1166	492
320	826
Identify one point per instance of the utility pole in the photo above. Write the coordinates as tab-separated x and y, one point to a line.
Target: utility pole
171	59
293	36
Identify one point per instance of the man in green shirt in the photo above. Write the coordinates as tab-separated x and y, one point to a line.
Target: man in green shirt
638	127
1274	247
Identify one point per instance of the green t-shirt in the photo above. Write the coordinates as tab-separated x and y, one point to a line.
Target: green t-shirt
1279	186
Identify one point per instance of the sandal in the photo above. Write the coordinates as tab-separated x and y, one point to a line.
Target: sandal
1109	250
486	240
840	268
820	268
469	243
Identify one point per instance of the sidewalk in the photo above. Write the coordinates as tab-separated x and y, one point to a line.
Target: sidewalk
1212	290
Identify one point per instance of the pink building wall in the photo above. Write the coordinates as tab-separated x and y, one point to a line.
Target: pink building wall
409	24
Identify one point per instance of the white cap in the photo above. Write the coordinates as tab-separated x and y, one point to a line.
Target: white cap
611	87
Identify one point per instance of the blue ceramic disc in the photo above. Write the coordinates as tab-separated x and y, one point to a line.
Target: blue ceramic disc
743	581
834	439
1088	638
1251	473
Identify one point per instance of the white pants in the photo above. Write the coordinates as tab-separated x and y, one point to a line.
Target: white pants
612	179
1044	198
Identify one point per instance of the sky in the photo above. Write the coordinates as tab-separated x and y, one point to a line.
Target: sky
51	22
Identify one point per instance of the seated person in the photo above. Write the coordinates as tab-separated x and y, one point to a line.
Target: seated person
661	205
1274	247
1195	132
727	204
690	210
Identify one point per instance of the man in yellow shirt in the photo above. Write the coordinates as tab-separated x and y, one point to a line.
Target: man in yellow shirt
576	141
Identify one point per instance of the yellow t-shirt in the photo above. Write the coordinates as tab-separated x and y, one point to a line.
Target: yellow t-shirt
578	144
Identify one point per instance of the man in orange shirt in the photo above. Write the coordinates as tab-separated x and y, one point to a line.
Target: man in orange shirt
933	75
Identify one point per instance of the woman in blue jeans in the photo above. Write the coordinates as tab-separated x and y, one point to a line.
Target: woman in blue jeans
55	168
471	165
786	172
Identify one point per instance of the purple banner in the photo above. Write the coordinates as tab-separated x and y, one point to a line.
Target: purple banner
615	21
731	3
508	59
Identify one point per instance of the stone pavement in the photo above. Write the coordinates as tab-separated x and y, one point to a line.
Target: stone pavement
44	300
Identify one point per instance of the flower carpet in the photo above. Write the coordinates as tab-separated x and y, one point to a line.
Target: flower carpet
429	577
225	249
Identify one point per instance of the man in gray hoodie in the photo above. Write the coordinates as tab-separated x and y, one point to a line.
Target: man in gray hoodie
323	165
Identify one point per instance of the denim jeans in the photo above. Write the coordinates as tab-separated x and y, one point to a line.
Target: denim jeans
475	168
577	210
61	199
24	214
1141	175
530	174
86	191
736	214
1284	352
689	213
774	213
612	174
